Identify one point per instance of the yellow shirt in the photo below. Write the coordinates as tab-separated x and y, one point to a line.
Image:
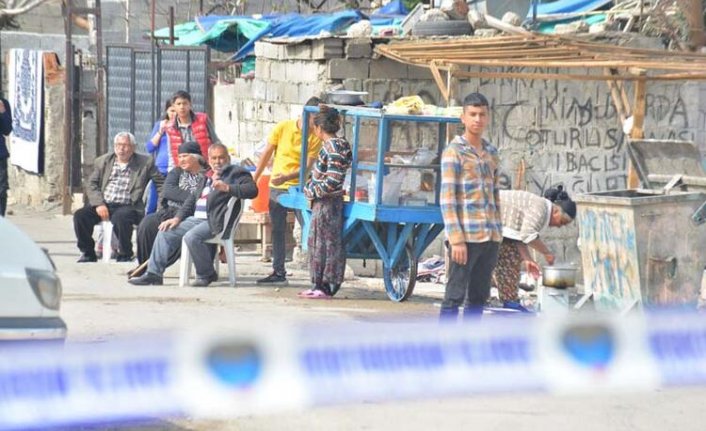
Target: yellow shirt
287	138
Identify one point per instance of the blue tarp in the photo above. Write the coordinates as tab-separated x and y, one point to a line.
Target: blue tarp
568	6
300	25
393	8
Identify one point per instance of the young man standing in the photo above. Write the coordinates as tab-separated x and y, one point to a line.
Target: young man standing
285	142
471	212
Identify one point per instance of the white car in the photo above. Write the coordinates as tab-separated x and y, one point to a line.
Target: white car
30	290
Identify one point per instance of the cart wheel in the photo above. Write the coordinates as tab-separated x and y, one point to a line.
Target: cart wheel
400	280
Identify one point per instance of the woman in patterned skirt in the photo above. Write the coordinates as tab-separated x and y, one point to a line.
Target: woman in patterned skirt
524	215
327	255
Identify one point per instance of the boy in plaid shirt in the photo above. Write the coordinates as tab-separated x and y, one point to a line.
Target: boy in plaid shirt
470	208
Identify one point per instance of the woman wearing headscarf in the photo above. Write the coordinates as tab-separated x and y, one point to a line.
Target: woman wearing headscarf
524	216
327	254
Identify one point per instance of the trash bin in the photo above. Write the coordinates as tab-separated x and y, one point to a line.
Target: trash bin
647	246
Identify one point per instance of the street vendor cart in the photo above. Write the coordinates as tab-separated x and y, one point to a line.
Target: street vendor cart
385	224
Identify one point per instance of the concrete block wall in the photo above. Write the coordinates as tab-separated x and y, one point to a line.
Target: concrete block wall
564	132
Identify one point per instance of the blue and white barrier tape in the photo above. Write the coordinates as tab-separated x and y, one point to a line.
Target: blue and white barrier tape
215	375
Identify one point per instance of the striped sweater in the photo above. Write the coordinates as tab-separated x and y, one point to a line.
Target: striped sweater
524	214
329	171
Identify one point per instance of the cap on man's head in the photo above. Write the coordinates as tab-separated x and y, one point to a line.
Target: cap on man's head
190	148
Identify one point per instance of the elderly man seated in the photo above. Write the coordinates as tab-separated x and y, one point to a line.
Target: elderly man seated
208	206
114	191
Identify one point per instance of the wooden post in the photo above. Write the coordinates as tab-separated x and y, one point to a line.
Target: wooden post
638	123
66	198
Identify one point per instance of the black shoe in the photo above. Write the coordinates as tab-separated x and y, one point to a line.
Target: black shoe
124	258
205	281
274	278
148	279
87	258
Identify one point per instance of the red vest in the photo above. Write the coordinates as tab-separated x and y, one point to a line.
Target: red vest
199	129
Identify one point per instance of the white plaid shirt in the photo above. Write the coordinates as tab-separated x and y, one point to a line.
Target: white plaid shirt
117	191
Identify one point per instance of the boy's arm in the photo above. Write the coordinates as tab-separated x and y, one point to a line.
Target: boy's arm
450	181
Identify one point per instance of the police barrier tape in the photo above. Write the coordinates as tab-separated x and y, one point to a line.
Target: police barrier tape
216	375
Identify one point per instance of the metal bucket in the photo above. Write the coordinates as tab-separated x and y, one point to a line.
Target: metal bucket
559	277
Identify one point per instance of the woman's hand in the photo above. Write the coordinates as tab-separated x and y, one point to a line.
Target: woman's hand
549	258
533	269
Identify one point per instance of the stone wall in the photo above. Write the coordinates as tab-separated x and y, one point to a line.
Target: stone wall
564	132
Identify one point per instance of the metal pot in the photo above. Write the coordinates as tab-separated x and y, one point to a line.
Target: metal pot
559	277
345	97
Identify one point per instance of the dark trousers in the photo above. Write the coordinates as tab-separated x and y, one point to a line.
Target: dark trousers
123	218
146	233
278	220
4	186
469	284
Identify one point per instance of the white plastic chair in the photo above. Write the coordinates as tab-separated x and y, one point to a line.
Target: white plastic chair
107	240
226	242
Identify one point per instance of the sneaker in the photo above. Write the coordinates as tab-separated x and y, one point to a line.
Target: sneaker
274	278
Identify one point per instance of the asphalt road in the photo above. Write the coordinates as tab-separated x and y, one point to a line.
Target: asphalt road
99	304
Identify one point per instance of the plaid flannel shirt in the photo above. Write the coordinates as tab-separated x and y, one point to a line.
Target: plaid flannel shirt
469	193
117	191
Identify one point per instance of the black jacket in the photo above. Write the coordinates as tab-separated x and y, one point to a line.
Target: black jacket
242	186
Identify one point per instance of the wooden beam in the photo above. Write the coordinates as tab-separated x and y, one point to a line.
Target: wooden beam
617	101
439	81
638	123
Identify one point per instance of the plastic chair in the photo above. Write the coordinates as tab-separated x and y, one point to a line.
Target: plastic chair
107	240
224	239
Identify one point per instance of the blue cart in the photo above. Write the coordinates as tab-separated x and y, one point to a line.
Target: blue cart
396	234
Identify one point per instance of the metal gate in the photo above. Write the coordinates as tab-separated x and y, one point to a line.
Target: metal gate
136	96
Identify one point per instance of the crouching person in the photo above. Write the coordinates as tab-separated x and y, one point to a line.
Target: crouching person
208	206
114	191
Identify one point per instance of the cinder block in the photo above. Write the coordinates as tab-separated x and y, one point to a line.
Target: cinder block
263	67
384	68
248	111
305	71
345	69
418	72
281	112
290	92
307	90
324	49
278	71
259	89
301	51
265	112
275	91
359	48
269	50
353	84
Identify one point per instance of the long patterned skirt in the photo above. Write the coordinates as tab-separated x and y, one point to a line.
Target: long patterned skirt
507	270
327	256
